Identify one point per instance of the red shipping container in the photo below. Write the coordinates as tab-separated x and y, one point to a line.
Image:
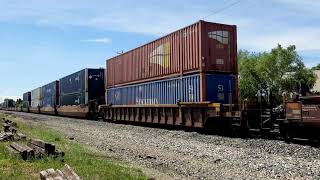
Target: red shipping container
203	47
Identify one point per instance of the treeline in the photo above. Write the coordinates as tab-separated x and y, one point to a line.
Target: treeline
278	72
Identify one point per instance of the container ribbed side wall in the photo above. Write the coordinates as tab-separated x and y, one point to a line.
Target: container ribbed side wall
50	94
36	97
201	47
81	87
170	91
26	100
73	83
159	92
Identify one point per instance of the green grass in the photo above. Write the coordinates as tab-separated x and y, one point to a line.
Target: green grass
86	163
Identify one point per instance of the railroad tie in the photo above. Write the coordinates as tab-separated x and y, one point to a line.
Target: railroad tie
23	150
65	173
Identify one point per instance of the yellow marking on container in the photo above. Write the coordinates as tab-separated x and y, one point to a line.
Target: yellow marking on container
161	55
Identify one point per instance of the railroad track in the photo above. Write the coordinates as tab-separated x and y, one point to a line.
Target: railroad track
176	154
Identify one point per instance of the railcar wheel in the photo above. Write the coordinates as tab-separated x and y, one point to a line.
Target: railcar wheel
101	116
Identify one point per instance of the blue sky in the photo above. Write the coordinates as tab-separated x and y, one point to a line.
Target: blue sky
43	40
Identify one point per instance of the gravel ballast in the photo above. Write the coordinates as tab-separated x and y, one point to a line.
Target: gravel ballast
173	154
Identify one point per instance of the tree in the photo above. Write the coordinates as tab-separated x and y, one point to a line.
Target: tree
281	70
249	79
19	102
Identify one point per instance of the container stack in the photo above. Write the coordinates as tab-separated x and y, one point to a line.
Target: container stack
35	100
70	96
81	93
26	102
50	94
194	64
81	87
50	97
36	97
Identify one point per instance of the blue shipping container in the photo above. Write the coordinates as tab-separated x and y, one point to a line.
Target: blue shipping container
170	91
26	100
50	94
82	87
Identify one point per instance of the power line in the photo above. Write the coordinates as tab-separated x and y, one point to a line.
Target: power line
222	9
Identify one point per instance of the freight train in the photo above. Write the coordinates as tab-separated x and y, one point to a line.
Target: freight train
302	118
76	95
188	78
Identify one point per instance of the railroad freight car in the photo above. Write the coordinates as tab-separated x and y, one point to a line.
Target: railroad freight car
203	47
26	101
81	93
35	100
302	118
186	78
50	98
220	88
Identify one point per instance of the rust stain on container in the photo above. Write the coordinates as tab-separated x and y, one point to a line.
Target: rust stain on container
201	47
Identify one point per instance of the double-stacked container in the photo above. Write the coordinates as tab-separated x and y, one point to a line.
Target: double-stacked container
35	100
50	98
26	102
79	90
195	64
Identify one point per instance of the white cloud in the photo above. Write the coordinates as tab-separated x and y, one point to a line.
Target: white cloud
259	32
99	40
156	17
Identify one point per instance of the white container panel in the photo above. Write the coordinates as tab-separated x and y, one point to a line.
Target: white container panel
36	94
